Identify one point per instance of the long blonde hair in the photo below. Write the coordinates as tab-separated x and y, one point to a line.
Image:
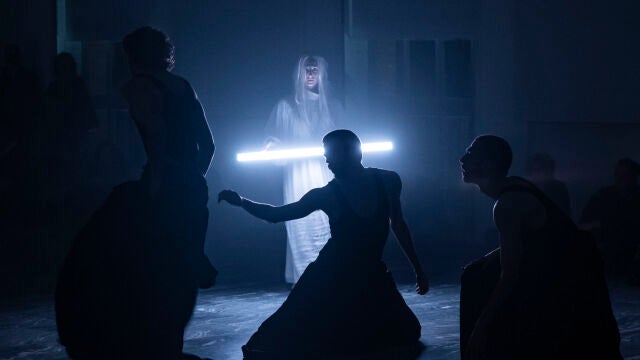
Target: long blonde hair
301	92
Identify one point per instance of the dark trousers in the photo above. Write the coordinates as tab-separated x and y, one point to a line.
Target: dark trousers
479	279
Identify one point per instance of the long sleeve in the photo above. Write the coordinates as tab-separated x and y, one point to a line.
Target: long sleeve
280	121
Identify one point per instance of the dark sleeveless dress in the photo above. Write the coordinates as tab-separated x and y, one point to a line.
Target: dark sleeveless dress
345	301
560	307
128	286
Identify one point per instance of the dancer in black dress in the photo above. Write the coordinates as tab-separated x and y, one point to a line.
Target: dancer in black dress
129	284
345	301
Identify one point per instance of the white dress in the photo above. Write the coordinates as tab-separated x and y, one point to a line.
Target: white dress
306	236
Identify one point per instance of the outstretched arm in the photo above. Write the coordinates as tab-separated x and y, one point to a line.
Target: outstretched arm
309	203
402	233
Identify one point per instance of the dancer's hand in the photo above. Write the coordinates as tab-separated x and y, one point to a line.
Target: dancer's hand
230	196
422	283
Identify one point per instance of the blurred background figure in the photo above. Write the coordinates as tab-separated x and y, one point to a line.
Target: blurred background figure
18	97
19	105
69	117
69	112
541	171
613	214
303	120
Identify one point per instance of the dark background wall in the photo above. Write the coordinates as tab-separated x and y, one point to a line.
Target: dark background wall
560	77
578	72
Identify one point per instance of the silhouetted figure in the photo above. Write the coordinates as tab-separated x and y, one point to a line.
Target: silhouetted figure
613	215
542	294
19	107
19	100
69	116
128	286
541	171
346	300
69	113
301	120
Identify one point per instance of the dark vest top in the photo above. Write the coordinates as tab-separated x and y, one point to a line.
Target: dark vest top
553	254
355	240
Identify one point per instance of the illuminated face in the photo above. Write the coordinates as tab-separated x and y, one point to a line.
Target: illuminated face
471	164
311	76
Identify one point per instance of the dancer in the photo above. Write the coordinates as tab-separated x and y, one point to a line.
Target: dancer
542	294
541	170
612	214
129	284
346	300
302	120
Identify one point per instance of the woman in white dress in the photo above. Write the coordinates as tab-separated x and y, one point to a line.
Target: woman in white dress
302	120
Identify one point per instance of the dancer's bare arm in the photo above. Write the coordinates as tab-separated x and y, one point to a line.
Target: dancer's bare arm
310	202
509	214
401	231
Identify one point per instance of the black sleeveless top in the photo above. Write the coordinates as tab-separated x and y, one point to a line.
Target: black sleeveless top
561	301
357	240
548	252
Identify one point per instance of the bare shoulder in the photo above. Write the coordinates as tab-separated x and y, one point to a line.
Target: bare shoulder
390	179
322	198
317	193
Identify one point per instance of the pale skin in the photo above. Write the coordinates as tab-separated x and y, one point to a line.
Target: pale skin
311	78
358	184
514	214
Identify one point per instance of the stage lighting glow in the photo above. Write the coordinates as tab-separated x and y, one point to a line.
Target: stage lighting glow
299	153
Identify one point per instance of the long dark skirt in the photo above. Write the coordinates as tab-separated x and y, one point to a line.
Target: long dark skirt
129	284
334	312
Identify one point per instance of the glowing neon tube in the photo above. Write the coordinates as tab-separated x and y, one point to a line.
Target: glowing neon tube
299	153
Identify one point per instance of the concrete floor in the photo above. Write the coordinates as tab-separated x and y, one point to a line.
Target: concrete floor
225	318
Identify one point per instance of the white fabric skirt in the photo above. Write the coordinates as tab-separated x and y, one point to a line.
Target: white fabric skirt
306	236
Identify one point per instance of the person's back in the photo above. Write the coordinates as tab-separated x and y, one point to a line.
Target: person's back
360	227
173	97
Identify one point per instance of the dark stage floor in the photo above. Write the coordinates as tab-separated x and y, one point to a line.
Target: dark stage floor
225	318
